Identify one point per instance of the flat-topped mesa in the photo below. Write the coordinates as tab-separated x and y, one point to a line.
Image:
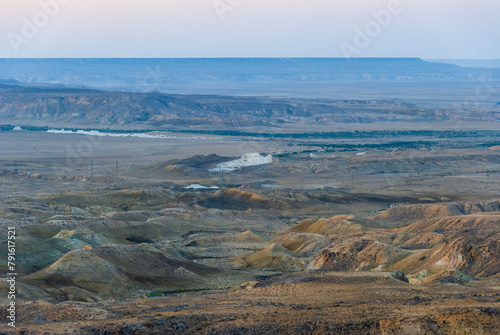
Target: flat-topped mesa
409	213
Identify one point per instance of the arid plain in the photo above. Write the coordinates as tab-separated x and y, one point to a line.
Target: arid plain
116	235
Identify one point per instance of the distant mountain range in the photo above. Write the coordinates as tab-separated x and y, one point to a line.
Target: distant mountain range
235	76
236	93
481	63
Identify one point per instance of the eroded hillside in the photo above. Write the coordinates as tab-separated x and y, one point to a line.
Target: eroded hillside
313	240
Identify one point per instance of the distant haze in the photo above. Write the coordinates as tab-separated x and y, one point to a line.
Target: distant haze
481	63
408	79
431	29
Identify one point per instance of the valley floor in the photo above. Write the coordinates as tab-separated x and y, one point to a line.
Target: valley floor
381	233
301	303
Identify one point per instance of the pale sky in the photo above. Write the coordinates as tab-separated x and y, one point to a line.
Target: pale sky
451	29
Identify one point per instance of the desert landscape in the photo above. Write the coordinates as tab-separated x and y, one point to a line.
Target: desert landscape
171	213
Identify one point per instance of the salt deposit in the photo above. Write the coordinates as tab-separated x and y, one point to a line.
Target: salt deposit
249	159
98	133
139	135
198	187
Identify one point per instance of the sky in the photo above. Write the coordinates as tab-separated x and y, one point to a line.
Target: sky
429	29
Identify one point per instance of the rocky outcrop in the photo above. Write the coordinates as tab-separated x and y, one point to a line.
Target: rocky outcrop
411	213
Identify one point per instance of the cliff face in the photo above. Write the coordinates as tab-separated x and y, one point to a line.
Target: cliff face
76	108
